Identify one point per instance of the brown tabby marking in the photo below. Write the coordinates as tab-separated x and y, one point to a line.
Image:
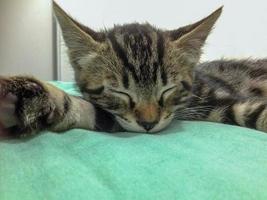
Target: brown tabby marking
136	77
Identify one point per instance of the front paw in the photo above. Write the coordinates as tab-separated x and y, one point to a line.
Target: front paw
25	106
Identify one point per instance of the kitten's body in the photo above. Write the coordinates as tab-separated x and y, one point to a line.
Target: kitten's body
218	88
231	91
138	78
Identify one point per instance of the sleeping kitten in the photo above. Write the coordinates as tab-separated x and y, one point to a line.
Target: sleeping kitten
138	78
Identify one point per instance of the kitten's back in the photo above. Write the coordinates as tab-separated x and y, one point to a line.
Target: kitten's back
243	75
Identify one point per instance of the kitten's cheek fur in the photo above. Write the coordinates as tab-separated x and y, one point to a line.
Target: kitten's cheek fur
163	123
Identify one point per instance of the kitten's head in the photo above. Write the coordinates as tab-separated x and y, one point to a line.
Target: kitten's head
137	72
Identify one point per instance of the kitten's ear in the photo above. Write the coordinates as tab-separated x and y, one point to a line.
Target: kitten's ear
191	38
78	38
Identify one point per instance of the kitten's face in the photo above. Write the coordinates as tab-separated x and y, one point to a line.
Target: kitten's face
138	82
136	72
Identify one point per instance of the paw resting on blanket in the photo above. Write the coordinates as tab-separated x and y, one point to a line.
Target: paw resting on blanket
25	106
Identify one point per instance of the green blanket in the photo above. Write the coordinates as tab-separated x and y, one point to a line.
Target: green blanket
189	160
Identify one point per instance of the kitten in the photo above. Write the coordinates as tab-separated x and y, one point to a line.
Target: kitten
136	77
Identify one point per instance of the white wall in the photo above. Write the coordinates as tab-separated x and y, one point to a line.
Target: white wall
240	32
26	38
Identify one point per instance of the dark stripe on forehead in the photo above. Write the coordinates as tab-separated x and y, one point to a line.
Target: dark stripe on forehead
155	72
144	46
163	75
160	48
125	79
122	55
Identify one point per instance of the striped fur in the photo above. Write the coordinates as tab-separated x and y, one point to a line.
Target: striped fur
136	72
229	91
136	77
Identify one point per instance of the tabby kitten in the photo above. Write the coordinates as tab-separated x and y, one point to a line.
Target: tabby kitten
138	78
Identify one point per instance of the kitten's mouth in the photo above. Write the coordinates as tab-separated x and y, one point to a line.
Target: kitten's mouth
144	127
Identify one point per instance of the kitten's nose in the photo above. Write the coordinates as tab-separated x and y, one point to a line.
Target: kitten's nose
147	125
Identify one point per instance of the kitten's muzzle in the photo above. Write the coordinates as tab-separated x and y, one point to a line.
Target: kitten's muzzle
147	115
147	125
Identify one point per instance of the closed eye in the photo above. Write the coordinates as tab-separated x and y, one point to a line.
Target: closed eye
165	94
131	102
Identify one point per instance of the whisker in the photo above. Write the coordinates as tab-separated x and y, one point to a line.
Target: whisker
192	113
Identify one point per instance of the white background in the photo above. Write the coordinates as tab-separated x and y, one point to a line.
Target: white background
26	43
240	32
26	38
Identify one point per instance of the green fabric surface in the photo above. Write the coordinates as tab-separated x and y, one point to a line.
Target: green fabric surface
189	160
